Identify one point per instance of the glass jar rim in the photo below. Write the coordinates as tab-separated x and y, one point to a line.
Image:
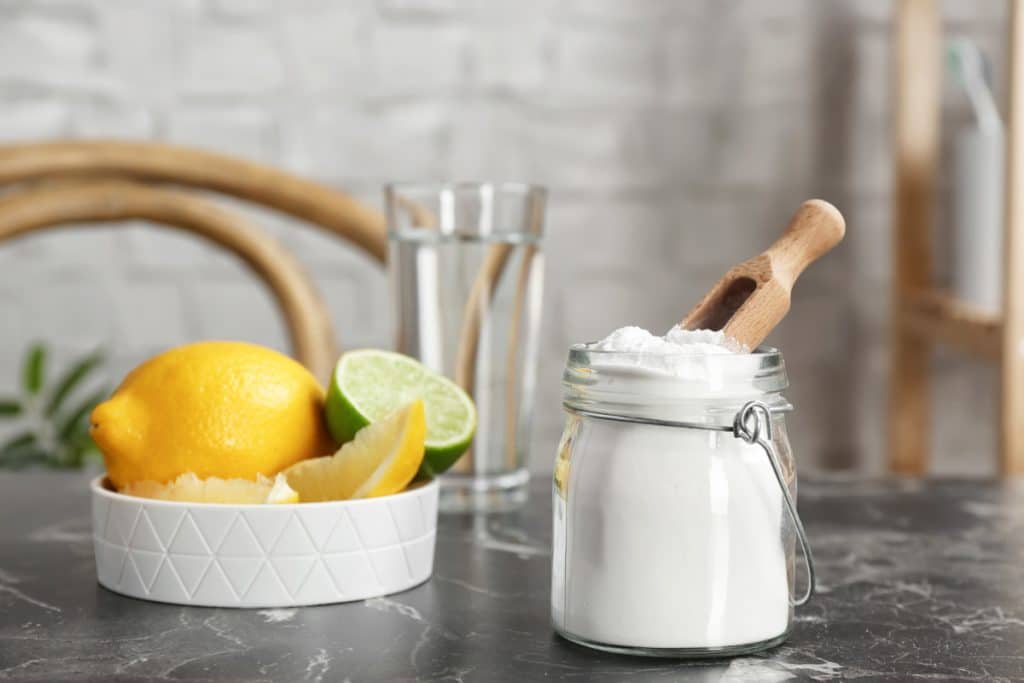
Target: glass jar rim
624	379
759	352
764	359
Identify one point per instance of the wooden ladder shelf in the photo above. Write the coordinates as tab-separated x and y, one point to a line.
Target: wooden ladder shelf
922	315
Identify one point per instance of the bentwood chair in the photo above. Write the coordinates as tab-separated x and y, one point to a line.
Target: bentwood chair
48	185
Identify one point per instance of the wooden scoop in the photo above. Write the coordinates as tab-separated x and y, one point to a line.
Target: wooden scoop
753	296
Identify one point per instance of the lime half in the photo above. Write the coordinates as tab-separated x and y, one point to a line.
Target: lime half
369	385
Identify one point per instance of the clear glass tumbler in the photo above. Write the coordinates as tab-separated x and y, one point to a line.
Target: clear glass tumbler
466	271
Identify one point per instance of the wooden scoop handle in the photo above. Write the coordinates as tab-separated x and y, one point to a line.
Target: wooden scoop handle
815	228
754	296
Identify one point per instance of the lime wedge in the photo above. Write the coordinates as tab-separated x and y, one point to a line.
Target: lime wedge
369	385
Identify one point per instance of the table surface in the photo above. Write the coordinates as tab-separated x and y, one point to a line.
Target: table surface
916	578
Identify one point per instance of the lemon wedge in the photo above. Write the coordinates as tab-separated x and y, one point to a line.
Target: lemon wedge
382	459
188	488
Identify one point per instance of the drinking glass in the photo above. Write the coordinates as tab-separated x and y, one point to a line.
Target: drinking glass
466	271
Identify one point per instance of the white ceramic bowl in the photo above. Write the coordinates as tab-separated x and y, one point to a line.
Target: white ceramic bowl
263	555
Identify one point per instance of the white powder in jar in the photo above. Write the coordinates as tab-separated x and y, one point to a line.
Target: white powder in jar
677	340
667	537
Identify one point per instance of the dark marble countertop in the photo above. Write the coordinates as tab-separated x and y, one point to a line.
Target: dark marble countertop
916	579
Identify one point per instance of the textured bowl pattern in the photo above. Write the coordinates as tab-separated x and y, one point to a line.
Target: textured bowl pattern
263	555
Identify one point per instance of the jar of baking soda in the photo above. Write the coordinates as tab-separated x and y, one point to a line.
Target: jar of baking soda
675	524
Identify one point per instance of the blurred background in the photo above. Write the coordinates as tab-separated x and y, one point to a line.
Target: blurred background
676	139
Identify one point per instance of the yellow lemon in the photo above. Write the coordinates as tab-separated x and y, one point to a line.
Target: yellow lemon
215	409
382	459
188	488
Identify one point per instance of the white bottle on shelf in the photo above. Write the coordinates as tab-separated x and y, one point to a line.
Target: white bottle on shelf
977	176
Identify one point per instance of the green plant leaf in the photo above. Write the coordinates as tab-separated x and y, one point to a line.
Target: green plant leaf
86	452
33	369
9	407
92	453
22	450
23	456
66	427
63	457
53	461
79	448
71	379
80	436
74	458
23	439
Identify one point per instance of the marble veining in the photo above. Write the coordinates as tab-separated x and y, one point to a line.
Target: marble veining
918	580
277	616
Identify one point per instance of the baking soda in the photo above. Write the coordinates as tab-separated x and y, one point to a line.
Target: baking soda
677	340
668	537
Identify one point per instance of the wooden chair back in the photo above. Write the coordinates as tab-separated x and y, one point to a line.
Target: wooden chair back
57	183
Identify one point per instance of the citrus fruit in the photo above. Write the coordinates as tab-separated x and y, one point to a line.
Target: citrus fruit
370	384
215	409
188	488
381	460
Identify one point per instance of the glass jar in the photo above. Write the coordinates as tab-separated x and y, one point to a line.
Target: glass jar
673	533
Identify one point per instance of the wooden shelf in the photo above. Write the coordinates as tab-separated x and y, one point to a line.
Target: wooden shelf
937	317
922	315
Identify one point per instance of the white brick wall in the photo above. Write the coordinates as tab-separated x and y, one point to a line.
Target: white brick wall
676	138
219	59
